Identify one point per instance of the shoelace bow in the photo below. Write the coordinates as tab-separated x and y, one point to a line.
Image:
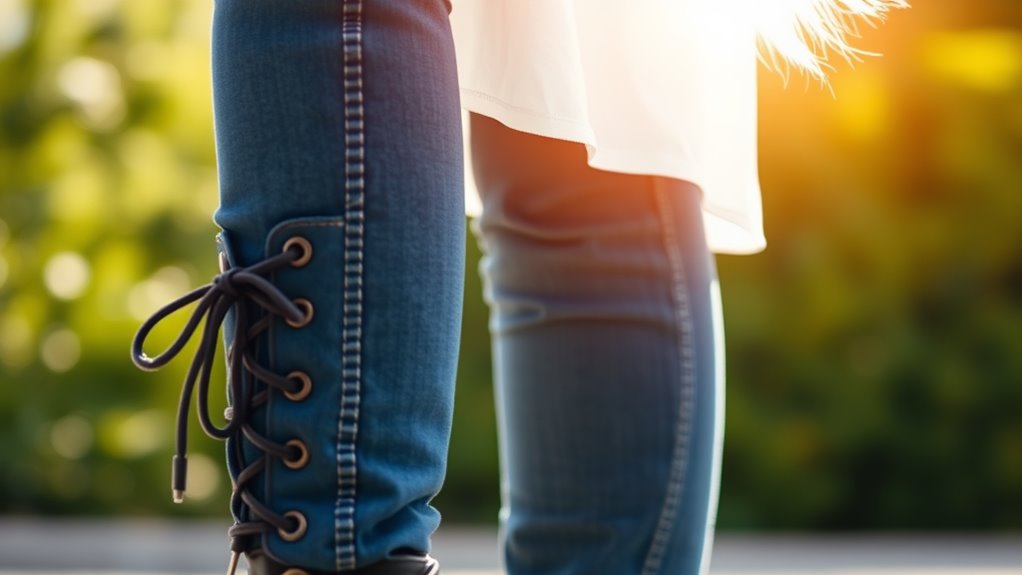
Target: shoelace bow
234	288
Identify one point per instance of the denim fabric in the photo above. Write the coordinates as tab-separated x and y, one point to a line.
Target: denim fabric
339	121
608	367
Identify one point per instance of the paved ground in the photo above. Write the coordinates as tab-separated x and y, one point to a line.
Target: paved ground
34	547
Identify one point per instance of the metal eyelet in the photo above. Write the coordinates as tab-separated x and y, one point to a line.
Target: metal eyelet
298	532
303	455
223	263
304	391
307	310
294	571
305	247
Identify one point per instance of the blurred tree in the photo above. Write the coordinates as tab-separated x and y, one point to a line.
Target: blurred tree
106	186
874	363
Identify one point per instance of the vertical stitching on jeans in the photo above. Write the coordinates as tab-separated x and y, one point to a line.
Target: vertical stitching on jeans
682	437
351	346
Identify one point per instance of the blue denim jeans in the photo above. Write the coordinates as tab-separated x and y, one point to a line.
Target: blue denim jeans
608	368
337	122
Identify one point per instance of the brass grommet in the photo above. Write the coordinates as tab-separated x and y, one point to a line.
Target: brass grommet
302	392
298	532
303	455
223	263
305	247
306	307
293	571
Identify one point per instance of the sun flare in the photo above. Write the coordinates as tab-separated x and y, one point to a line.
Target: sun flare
806	32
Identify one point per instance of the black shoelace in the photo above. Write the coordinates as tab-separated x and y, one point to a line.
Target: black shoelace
243	289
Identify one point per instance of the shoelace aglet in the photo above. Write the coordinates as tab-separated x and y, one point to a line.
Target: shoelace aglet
232	564
178	475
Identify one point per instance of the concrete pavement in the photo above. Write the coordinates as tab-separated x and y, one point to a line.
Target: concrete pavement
135	547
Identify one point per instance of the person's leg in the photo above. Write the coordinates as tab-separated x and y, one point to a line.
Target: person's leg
338	122
606	347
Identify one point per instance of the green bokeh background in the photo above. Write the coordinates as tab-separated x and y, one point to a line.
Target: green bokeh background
874	350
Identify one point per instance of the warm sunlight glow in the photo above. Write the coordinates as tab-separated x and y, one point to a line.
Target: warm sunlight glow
806	32
863	112
989	60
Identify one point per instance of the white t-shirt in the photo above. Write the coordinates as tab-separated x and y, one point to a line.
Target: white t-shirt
656	87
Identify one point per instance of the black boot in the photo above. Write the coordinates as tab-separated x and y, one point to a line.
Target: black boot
260	564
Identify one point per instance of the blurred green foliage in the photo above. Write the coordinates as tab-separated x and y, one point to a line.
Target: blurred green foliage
874	350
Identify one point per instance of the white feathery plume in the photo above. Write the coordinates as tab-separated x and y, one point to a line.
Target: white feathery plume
805	32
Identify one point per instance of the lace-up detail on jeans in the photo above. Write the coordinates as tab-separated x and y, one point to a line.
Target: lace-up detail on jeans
256	301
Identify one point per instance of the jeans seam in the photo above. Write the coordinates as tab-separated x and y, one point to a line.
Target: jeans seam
682	437
351	345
